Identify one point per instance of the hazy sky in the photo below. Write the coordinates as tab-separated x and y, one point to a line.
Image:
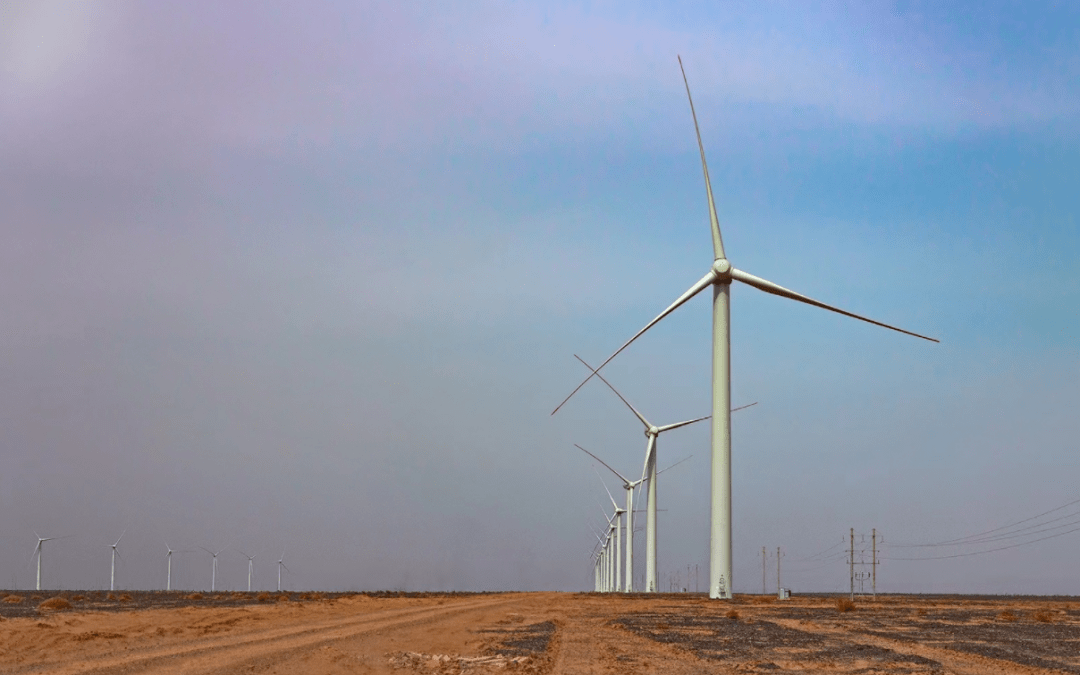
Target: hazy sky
311	275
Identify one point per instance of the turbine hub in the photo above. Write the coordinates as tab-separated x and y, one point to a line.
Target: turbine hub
722	268
652	431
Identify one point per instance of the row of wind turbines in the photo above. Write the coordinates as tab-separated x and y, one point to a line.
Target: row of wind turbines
39	549
719	278
607	554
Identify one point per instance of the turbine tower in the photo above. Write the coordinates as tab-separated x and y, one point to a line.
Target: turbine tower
37	551
649	473
112	568
719	277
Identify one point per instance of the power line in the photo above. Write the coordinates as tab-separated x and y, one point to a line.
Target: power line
962	540
808	558
991	550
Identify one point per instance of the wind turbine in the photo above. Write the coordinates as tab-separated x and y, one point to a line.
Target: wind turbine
719	277
213	574
168	557
652	571
280	564
37	551
251	564
112	569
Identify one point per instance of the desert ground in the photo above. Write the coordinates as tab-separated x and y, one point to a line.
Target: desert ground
136	632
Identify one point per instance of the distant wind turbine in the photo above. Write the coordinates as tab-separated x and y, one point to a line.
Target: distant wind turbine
280	566
719	277
112	568
251	565
37	551
213	573
168	558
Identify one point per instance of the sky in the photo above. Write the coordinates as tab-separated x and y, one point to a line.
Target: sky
308	279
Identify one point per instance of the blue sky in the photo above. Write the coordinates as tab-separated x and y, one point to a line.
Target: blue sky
314	277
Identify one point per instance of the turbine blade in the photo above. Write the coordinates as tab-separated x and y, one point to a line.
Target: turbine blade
770	287
705	282
717	241
673	465
121	537
669	427
648	457
602	462
613	503
744	407
612	388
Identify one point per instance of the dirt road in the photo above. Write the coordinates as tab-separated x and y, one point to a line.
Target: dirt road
553	632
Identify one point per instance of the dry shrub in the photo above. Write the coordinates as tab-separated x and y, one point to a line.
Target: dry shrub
78	598
237	595
1043	616
733	614
110	596
124	598
54	604
36	597
263	597
13	599
921	611
1007	615
195	596
662	625
283	598
844	605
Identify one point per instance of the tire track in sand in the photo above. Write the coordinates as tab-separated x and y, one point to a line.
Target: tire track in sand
226	652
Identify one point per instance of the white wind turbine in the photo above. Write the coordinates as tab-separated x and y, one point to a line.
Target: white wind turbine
719	277
251	565
112	568
168	558
652	573
280	565
37	551
213	573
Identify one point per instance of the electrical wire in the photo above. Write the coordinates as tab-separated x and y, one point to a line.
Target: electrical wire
965	540
1000	548
839	543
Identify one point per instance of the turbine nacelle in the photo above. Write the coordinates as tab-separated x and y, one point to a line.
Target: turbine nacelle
721	267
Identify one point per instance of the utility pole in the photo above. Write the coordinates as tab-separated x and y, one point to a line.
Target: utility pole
851	563
777	571
873	567
763	558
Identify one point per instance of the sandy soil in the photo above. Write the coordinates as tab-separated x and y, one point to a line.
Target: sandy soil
540	633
